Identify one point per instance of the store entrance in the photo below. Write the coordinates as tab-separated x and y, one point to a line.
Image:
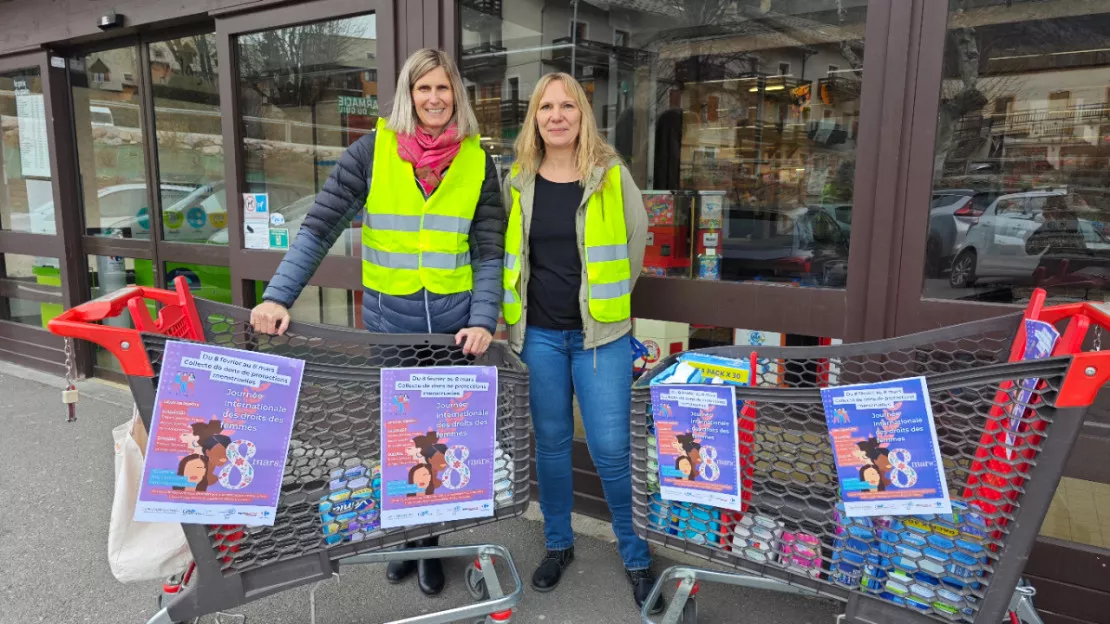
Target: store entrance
150	166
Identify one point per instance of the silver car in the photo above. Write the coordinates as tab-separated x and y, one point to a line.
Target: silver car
951	213
1004	245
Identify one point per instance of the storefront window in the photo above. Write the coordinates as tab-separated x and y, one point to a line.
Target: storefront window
206	281
327	306
738	120
306	93
1019	193
35	274
108	122
26	195
184	77
108	274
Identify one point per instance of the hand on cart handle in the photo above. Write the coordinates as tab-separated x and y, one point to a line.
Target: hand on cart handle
270	318
475	340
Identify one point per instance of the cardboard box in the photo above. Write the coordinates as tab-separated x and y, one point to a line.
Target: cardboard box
662	338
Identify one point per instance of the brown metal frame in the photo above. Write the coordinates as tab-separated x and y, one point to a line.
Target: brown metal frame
18	341
915	312
248	266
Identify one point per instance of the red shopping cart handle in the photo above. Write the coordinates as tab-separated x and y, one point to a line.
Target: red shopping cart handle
178	317
1089	371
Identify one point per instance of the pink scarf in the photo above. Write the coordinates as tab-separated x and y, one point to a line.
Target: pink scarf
429	155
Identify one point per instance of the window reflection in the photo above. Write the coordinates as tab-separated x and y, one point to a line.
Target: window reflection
1019	197
306	94
327	306
34	275
185	78
738	120
107	118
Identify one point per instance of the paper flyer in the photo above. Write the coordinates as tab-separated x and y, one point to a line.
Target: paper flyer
219	436
256	220
697	440
439	427
1040	340
885	447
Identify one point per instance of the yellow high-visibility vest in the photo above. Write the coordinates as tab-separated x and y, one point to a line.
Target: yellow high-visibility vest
409	242
608	271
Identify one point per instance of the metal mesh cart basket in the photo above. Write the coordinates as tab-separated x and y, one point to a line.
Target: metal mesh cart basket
791	534
337	427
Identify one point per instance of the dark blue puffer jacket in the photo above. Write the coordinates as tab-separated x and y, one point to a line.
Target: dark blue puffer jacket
341	200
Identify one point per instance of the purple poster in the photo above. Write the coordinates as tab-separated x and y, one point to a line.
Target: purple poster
219	436
1040	340
698	444
439	428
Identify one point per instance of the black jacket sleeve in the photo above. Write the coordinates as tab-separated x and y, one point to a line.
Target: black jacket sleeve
337	204
487	252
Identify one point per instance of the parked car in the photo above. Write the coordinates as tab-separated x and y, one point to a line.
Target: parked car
951	213
1014	237
841	213
121	208
803	244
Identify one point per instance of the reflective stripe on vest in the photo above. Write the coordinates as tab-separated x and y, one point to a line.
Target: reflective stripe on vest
514	235
409	242
608	271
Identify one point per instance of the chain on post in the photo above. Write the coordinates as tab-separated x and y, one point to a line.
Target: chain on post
69	394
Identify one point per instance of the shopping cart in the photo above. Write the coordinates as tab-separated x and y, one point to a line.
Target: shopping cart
1003	452
336	427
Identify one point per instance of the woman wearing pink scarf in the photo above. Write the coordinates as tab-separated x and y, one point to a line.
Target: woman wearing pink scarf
433	235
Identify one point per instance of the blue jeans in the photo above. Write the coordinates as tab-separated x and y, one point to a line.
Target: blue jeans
602	380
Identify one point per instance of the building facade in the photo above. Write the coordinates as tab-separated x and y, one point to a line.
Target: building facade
815	170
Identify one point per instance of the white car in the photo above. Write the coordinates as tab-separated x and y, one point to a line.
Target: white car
997	246
119	206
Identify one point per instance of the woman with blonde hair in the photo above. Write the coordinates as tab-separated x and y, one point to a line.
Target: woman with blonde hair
573	249
433	232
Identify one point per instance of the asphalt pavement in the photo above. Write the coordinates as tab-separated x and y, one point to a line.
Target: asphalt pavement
55	502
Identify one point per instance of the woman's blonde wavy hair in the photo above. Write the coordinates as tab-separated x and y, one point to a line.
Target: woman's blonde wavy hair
592	150
404	119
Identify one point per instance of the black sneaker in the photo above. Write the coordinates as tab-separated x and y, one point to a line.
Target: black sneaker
550	570
642	583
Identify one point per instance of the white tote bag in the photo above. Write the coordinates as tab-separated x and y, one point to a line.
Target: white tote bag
139	551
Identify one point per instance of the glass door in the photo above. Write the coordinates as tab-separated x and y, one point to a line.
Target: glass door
31	273
307	87
149	145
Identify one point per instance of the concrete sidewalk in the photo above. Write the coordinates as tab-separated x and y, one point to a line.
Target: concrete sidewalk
55	501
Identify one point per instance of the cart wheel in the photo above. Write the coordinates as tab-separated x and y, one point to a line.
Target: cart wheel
689	612
476	584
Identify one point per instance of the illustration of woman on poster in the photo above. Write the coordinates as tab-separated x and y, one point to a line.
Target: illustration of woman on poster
435	455
879	457
215	449
200	431
194	468
420	475
690	451
870	475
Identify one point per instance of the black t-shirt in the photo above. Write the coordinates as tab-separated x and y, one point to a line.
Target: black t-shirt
556	269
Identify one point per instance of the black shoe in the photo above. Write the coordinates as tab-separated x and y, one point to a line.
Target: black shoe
550	570
429	576
398	571
642	583
429	572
